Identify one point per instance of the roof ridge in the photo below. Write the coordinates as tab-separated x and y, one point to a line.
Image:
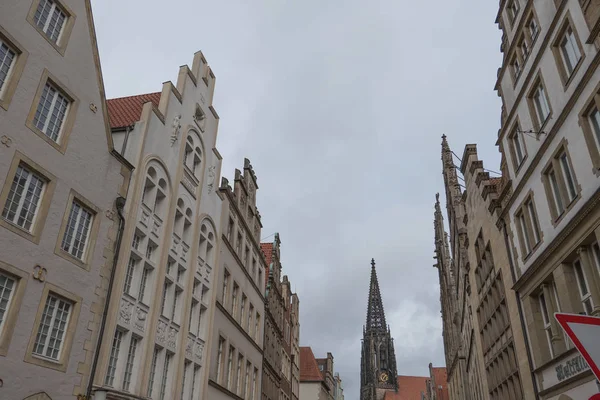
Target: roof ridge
134	95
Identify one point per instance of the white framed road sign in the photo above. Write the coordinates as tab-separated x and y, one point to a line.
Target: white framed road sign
584	332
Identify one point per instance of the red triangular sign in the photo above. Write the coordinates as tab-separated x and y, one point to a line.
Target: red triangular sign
584	332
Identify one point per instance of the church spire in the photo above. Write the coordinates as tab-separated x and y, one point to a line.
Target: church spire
375	314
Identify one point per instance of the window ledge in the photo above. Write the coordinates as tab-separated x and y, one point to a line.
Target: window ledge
20	231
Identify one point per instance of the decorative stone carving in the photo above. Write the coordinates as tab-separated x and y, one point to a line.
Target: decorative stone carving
5	140
125	311
257	230
94	108
155	226
39	273
188	184
140	319
176	125
188	348
211	178
110	214
144	218
198	350
161	332
200	118
171	338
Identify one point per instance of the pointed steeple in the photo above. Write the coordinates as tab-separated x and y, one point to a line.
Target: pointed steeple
375	314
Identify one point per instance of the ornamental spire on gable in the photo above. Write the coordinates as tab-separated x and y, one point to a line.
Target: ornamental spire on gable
375	313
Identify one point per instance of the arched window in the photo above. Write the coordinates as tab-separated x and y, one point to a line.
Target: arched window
155	191
207	243
192	157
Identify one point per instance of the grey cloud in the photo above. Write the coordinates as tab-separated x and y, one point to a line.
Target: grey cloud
340	106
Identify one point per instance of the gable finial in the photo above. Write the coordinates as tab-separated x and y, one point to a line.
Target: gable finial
372	262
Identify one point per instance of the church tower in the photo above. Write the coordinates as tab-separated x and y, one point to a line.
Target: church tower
378	361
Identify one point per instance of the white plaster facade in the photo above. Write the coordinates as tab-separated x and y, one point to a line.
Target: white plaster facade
161	307
51	277
550	211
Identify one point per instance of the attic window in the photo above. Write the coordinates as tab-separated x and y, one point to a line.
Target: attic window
200	117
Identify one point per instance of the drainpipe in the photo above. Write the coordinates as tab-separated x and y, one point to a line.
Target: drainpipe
119	204
523	328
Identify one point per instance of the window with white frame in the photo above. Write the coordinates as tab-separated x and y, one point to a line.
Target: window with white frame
234	297
24	198
512	8
137	238
51	111
584	292
53	326
250	314
243	310
238	375
229	370
254	382
75	238
113	358
165	375
153	365
569	50
539	102
8	286
246	388
546	321
225	287
8	58
560	182
517	146
220	350
594	119
528	227
129	365
51	19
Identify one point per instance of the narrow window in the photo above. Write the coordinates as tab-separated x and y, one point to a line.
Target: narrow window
524	233
595	122
7	60
533	28
51	112
165	376
534	223
136	241
24	198
142	290
568	176
250	313
186	367
555	192
149	251
513	10
153	370
229	371
7	288
113	359
129	275
234	296
243	310
546	320
130	362
52	328
230	231
540	102
77	231
194	379
247	378
569	50
175	300
166	286
50	19
220	359
518	146
238	245
257	326
225	287
238	375
584	292
254	376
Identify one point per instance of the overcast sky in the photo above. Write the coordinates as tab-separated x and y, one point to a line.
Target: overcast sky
340	106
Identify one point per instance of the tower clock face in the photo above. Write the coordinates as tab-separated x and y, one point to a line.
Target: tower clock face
383	376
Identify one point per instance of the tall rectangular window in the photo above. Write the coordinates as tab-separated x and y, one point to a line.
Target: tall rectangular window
165	376
540	103
257	327
77	231
186	368
238	245
229	371
243	310
254	377
569	50
517	146
250	313
114	358
220	359
225	287
234	297
594	118
546	321
561	185
52	328
136	241
175	301
584	292
130	362
238	375
7	289
195	378
230	231
7	60
129	274
153	371
247	387
24	198
50	19
568	176
51	112
142	289
560	207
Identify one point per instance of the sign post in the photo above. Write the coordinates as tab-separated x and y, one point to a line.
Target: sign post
584	332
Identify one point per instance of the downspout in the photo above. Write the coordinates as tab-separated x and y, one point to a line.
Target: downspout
119	204
523	327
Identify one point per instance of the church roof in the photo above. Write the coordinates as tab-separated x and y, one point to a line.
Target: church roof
125	111
409	388
309	369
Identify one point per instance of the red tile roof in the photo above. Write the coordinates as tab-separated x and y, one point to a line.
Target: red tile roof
125	111
309	370
267	249
409	388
